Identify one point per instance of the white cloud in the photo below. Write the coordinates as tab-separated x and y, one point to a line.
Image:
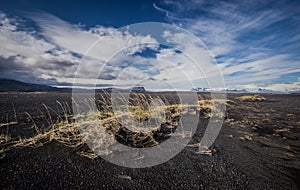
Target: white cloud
98	42
279	87
52	57
243	36
55	53
27	57
16	42
285	87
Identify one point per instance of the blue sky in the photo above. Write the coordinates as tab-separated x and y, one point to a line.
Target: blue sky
256	44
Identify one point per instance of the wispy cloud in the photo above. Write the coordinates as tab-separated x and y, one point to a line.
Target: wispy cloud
254	42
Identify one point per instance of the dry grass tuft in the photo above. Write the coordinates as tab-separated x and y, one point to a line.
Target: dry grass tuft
65	130
251	98
9	123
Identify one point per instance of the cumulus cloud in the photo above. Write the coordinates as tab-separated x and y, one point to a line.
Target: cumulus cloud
29	58
55	53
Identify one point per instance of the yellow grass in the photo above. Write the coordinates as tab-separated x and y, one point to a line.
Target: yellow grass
64	129
252	98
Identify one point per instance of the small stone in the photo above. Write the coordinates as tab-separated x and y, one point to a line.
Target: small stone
125	177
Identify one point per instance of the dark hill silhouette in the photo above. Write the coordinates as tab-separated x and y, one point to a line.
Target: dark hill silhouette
8	85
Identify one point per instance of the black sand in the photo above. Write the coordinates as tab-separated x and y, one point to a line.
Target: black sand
258	148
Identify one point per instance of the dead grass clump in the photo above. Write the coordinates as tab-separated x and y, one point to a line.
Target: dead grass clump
205	104
65	129
204	150
251	98
140	114
62	129
4	138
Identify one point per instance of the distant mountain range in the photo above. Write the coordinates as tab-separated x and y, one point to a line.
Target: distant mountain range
8	85
258	90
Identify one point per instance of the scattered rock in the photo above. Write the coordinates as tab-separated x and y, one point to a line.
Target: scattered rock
247	137
126	177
